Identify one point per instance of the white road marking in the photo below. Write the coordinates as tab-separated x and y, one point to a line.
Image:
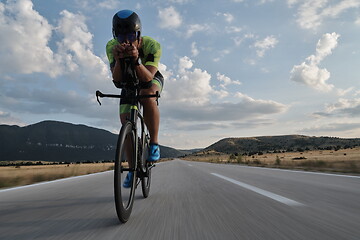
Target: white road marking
305	172
271	195
189	165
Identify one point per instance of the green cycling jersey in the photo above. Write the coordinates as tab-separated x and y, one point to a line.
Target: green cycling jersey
149	52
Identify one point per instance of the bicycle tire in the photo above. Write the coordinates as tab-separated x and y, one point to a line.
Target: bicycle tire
124	203
146	180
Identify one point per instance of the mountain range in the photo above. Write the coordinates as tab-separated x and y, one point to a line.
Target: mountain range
61	142
66	142
289	143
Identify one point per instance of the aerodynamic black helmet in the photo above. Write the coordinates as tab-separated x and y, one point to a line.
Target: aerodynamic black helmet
126	22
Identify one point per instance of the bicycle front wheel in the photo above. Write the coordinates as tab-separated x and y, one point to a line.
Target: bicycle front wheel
125	161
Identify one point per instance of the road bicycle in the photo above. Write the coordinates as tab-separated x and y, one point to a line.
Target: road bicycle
132	147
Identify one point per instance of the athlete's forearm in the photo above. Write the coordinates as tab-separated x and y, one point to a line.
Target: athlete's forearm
143	73
116	72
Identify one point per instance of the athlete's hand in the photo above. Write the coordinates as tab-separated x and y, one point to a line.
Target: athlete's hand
132	51
119	51
125	50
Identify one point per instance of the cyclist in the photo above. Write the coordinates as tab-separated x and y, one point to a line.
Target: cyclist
146	53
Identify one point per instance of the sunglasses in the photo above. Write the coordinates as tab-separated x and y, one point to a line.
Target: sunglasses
129	37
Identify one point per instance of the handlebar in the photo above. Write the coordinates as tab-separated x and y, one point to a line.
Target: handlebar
102	95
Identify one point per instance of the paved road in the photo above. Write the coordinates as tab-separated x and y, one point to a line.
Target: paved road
189	200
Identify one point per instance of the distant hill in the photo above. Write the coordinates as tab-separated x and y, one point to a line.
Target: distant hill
280	143
61	142
65	142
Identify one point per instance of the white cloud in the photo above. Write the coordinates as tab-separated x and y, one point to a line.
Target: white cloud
189	96
312	13
239	40
169	18
233	29
265	1
221	53
292	2
24	40
189	86
225	52
194	50
357	22
227	16
342	6
25	44
54	101
167	74
260	1
342	92
347	129
180	1
263	45
250	61
309	73
221	93
110	4
225	111
76	51
325	46
193	28
345	106
312	76
226	80
8	119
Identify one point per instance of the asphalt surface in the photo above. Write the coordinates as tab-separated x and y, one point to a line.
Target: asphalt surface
189	200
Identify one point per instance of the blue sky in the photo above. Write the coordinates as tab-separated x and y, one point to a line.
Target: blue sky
233	68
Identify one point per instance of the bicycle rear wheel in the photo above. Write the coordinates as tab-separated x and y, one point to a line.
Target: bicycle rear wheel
125	161
146	180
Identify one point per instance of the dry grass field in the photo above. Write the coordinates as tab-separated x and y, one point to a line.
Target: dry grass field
23	175
344	160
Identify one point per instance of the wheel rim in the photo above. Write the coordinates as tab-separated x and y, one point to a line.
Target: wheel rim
126	158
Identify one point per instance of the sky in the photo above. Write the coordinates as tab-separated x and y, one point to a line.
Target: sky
232	68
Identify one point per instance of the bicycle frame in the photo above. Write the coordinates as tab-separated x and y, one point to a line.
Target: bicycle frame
137	164
133	88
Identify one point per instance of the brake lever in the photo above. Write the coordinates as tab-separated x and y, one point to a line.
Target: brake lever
98	93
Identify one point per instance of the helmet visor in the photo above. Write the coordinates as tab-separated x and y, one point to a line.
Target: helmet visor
127	37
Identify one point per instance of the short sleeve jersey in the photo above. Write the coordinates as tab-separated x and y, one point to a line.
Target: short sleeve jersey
150	51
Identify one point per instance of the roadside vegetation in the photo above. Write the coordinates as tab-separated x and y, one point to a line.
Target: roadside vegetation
19	173
24	173
338	160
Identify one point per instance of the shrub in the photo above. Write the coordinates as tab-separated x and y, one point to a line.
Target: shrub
316	163
353	166
239	159
256	161
232	157
277	161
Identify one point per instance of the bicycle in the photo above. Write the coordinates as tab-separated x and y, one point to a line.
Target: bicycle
137	142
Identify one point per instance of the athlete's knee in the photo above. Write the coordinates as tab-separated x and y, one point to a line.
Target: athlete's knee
149	91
